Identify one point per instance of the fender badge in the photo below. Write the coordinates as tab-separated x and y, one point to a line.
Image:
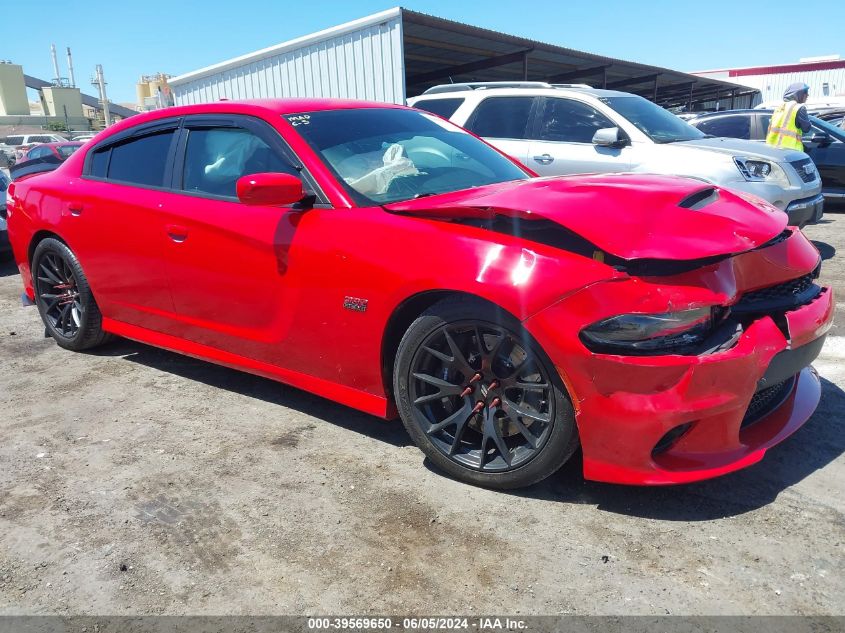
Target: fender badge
355	304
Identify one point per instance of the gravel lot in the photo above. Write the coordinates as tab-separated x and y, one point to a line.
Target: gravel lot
137	481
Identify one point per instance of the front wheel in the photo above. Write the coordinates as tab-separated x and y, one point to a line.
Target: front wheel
480	398
64	298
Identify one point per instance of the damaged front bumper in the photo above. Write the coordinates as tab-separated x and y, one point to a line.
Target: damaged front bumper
680	418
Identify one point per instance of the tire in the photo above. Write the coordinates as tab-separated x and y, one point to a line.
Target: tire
64	299
480	398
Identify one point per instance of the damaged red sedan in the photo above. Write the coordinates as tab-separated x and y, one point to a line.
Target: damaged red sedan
383	258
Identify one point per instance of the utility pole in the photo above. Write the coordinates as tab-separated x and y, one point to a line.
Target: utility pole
67	122
100	82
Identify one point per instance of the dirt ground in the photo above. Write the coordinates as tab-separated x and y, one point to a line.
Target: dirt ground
137	481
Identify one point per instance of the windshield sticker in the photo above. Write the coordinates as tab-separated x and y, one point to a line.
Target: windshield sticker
299	119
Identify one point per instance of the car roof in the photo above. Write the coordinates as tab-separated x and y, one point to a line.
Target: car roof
60	144
458	90
708	115
249	106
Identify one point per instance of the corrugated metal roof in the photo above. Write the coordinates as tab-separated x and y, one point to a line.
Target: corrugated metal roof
290	45
415	51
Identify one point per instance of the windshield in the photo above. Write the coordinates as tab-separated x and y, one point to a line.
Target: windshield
660	125
384	155
835	132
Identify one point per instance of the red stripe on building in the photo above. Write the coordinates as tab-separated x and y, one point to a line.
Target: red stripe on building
787	68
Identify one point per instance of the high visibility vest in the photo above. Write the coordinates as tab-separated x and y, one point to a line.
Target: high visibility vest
783	132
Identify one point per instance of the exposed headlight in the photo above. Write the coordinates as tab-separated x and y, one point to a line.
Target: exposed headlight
754	170
664	333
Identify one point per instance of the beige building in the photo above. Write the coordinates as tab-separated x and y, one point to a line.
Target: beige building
13	99
55	100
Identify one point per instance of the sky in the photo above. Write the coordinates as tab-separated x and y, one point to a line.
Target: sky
134	37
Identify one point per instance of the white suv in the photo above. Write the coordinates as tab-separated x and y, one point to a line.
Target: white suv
568	129
15	146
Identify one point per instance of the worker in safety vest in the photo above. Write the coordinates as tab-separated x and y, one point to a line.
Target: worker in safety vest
790	119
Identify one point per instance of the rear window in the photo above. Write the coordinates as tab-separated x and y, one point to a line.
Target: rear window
441	107
67	150
14	140
139	161
502	117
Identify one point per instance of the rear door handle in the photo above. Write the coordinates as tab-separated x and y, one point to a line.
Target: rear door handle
544	159
177	233
75	208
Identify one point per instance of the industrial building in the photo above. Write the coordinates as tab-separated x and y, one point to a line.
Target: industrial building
824	75
399	53
60	101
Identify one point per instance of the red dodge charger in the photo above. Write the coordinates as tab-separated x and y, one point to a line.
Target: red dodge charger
386	259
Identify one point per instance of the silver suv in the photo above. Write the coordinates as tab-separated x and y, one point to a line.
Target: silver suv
567	129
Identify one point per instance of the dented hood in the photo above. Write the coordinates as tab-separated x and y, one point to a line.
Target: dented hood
627	215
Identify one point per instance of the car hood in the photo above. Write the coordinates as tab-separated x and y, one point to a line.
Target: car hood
630	216
742	147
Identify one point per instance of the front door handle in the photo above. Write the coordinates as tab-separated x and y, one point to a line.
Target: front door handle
544	159
177	233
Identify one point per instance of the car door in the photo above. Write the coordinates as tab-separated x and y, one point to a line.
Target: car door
562	140
227	259
504	122
829	157
115	226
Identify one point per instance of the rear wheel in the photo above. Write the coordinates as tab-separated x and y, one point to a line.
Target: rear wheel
64	298
480	398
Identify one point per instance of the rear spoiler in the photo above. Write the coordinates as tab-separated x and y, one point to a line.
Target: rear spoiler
36	166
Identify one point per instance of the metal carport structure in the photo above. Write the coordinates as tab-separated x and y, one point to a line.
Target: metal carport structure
399	53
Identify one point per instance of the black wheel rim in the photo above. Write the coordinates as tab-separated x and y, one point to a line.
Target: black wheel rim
481	396
58	294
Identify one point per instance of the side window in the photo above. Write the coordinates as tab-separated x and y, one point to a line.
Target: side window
99	163
441	107
727	126
764	122
39	152
569	121
501	117
140	161
216	157
40	139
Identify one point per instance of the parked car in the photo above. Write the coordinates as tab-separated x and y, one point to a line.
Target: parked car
16	145
85	136
825	143
5	247
43	157
387	259
558	130
60	151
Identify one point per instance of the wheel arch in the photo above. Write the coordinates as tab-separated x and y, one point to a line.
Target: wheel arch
406	313
37	238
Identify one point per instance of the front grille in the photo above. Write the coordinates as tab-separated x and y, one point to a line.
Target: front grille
767	400
801	167
787	289
780	297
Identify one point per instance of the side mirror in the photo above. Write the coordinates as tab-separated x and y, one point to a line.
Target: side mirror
269	189
609	137
818	138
